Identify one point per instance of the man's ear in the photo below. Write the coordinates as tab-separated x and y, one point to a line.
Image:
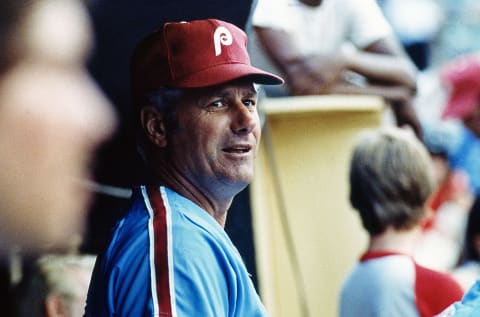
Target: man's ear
153	125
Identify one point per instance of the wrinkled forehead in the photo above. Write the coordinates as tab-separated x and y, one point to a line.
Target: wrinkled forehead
243	86
58	31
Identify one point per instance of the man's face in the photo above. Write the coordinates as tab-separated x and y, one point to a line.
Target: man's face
473	121
218	135
52	117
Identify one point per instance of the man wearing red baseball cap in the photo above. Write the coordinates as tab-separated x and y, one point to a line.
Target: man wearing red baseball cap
199	131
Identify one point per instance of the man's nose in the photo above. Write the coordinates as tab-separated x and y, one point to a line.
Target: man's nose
245	119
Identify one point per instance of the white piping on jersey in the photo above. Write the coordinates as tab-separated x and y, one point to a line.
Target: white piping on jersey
171	276
151	253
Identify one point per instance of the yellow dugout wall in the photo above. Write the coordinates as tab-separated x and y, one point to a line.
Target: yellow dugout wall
306	234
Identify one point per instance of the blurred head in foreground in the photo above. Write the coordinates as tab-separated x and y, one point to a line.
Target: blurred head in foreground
52	118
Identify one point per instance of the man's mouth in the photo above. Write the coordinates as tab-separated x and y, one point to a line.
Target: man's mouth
238	149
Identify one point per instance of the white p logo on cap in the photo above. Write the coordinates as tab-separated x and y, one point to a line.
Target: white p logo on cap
222	36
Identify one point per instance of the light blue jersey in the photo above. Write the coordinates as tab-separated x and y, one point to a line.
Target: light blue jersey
169	257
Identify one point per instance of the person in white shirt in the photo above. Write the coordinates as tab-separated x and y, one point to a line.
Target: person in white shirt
338	46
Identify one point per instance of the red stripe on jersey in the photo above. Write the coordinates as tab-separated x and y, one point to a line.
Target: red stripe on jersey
161	251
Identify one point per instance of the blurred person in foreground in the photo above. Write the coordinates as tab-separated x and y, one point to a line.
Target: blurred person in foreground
338	47
195	95
390	182
52	117
56	286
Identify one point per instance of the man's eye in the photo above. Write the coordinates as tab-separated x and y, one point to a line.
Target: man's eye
249	102
216	104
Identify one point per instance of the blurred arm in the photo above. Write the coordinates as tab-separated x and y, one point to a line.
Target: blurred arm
384	67
384	61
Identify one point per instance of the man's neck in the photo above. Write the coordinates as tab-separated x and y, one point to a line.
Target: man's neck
214	206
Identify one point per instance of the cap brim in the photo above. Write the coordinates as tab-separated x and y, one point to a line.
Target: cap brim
223	73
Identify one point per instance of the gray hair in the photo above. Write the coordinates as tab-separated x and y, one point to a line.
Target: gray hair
164	99
52	274
57	270
391	179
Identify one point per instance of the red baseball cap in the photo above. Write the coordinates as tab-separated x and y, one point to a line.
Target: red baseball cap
194	54
462	77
